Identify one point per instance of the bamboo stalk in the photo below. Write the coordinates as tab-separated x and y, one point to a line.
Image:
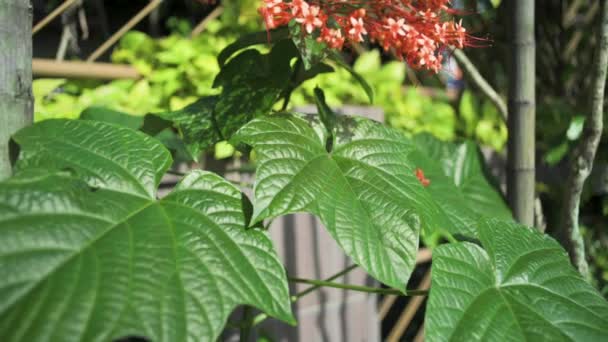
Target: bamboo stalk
410	310
16	102
424	255
522	112
198	29
581	162
74	69
124	29
420	334
46	20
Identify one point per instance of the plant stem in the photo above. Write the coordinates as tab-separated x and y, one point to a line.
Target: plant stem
262	316
522	112
475	76
323	283
584	154
316	287
246	324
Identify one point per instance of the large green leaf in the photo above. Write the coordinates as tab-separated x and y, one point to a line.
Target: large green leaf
364	190
463	164
89	253
519	287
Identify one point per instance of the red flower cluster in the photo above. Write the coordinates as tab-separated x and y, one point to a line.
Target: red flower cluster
413	30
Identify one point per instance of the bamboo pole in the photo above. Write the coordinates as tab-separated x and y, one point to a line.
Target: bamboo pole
410	310
74	69
420	335
200	27
584	153
522	112
126	27
16	102
423	256
60	9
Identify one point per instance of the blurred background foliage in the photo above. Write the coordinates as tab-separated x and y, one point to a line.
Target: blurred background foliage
177	69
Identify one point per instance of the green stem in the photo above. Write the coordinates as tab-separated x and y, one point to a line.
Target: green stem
247	324
292	84
262	316
323	283
316	287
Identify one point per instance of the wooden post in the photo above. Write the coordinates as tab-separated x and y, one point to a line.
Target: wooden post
522	112
16	102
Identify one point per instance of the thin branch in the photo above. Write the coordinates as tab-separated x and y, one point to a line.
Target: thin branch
475	76
316	287
262	316
323	283
584	154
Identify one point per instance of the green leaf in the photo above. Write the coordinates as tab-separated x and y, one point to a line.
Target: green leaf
576	127
87	260
463	163
519	287
327	116
336	57
75	145
311	50
364	190
111	116
257	38
252	83
196	124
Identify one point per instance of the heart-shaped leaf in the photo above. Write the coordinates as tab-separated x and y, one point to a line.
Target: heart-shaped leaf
365	190
519	287
89	253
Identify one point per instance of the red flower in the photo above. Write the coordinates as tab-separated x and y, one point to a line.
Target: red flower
309	18
423	180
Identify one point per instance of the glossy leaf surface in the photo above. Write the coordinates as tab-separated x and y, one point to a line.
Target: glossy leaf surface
89	253
463	163
519	287
364	190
